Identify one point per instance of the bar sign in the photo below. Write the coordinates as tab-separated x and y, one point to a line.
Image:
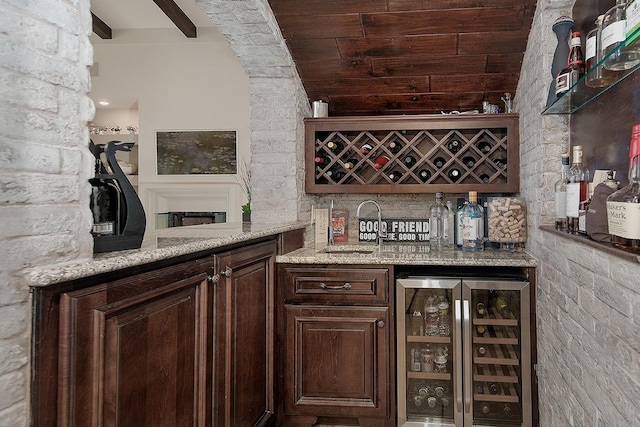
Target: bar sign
398	230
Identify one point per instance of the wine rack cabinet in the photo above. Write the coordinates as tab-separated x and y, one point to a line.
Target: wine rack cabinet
483	149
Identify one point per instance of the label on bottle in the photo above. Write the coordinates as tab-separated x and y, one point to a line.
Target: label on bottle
633	20
612	34
624	219
471	228
104	228
573	200
590	48
561	204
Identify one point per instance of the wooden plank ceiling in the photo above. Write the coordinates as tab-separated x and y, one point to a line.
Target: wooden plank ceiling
371	57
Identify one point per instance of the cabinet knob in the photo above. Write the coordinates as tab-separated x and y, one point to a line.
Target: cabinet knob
214	279
380	324
345	287
228	271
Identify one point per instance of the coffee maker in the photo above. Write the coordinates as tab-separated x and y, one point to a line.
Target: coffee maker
118	216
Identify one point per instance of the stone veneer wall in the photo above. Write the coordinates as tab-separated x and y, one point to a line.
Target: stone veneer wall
44	167
588	302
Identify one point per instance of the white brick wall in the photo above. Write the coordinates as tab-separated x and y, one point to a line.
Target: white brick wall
588	303
44	167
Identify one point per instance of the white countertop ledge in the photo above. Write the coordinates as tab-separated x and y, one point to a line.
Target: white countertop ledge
159	245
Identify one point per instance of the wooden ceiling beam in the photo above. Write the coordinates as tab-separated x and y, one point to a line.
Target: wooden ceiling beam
101	29
178	17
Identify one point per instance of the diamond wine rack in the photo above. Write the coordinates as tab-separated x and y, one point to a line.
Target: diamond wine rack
412	154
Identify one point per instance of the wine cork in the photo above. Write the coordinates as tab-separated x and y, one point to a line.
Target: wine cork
507	217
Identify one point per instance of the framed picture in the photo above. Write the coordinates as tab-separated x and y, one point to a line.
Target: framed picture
196	152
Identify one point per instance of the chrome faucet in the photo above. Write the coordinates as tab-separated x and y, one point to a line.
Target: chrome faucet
381	233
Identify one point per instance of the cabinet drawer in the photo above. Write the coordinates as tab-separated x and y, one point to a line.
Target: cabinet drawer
337	284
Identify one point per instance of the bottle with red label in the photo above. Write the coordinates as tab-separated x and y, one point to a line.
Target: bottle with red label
623	206
574	70
380	162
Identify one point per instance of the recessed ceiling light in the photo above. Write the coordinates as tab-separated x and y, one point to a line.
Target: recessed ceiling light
103	102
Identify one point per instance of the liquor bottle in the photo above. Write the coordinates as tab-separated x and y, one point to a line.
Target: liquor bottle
454	145
576	189
335	146
570	75
600	76
424	175
469	161
322	160
365	148
472	225
380	161
395	176
415	360
454	174
610	181
613	39
439	224
483	146
409	161
458	226
623	206
560	195
439	162
395	147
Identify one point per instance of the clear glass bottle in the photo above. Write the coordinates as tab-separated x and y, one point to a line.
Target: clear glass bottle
444	324
459	226
560	195
623	206
613	37
472	225
577	194
599	76
431	317
439	224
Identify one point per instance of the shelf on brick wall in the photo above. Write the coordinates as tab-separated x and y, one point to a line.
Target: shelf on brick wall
486	154
608	248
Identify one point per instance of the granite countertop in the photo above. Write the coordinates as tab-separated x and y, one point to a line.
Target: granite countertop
406	254
159	245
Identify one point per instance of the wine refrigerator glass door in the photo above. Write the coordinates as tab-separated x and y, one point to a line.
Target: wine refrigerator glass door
429	360
497	353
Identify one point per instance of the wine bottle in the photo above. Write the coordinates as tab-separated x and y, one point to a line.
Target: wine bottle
350	164
469	161
335	146
485	408
494	388
409	161
395	147
105	207
500	162
483	146
485	178
482	351
481	310
395	176
506	409
454	174
576	190
424	175
480	330
334	174
623	206
439	162
380	161
322	160
560	195
365	148
454	145
501	305
472	225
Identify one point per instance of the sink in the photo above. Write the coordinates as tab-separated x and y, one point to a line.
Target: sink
349	250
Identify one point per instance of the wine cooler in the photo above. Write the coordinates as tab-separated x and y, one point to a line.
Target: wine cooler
464	356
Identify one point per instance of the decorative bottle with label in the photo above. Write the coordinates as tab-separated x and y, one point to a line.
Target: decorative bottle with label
439	224
472	225
623	206
576	190
560	193
613	40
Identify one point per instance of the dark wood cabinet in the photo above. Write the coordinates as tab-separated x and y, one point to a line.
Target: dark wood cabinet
337	345
244	336
134	352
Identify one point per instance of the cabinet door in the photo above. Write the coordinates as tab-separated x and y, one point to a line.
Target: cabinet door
134	352
244	336
338	361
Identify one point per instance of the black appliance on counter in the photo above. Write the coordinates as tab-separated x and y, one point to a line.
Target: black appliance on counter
118	216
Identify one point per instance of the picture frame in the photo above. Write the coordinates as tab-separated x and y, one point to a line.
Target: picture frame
196	152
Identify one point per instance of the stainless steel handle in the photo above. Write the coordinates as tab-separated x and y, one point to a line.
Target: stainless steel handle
458	373
380	323
344	287
466	318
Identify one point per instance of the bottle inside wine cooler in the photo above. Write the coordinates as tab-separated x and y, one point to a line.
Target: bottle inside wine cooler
431	317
